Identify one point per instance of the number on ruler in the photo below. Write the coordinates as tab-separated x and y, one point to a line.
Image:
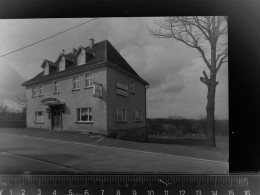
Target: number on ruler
54	192
166	192
150	192
231	192
70	192
198	192
86	192
247	192
215	192
118	192
102	192
39	192
182	192
134	192
23	191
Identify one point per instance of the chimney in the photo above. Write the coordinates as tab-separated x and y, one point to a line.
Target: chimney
74	50
63	51
91	43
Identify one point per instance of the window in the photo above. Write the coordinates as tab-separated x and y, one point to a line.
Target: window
81	58
56	86
62	64
39	117
132	87
84	114
76	82
46	69
121	115
138	115
34	91
40	90
89	80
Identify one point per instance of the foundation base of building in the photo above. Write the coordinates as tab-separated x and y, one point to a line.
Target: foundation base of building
133	134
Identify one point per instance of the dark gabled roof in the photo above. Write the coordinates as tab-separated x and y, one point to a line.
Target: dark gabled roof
86	49
48	62
102	52
69	56
114	56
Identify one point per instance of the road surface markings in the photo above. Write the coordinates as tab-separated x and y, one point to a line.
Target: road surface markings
42	161
98	140
125	149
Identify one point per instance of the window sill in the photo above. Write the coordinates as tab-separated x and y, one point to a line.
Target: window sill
76	89
138	121
40	95
33	96
88	87
132	92
56	92
84	122
121	121
38	122
81	64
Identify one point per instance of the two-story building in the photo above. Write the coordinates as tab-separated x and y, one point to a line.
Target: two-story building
90	89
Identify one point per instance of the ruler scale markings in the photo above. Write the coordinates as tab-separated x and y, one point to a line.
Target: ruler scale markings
216	183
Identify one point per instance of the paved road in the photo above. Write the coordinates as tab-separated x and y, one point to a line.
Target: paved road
22	153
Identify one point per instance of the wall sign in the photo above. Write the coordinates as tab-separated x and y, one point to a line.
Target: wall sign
97	90
121	92
122	86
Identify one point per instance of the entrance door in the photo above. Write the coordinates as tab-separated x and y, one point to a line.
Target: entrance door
56	120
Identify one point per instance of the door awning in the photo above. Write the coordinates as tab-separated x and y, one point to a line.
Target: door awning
51	101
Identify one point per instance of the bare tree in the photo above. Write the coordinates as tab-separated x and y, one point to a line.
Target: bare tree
208	35
20	99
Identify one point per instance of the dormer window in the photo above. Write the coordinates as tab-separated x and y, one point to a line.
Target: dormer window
62	64
46	69
81	58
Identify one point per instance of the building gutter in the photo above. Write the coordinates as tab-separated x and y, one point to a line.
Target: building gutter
146	131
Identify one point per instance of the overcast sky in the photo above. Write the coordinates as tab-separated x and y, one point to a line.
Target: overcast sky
171	68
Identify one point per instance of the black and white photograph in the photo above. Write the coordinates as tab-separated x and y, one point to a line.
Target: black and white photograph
114	95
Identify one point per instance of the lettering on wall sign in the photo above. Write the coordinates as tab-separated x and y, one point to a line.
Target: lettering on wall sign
121	92
97	90
122	86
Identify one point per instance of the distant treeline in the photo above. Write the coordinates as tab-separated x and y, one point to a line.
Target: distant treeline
11	118
179	126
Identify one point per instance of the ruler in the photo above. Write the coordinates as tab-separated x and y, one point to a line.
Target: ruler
129	184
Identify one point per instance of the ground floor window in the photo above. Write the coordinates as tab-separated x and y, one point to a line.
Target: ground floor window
121	114
138	115
84	114
39	117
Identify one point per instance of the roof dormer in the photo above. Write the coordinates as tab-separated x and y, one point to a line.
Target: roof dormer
62	64
46	70
83	55
47	66
81	58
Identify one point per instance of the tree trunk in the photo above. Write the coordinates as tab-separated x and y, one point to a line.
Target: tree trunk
210	115
211	97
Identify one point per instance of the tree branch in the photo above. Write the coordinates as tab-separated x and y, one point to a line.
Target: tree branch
220	54
222	61
204	57
205	75
203	81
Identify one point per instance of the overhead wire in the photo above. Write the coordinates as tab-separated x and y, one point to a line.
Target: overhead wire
47	38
